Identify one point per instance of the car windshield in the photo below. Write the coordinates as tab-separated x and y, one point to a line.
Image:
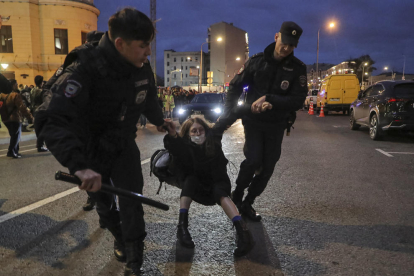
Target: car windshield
314	92
207	98
404	90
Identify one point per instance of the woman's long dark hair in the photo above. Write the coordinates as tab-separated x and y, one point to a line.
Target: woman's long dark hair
210	142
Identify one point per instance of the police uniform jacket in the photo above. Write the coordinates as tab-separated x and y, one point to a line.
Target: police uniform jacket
95	106
282	82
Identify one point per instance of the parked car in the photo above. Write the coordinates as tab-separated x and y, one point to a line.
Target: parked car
337	93
384	106
311	97
209	105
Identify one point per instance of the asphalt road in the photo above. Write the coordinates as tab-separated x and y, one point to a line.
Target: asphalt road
338	204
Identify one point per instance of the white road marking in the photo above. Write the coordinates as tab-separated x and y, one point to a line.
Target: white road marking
20	147
402	152
38	204
385	153
45	201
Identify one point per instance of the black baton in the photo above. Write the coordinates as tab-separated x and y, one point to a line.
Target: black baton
59	175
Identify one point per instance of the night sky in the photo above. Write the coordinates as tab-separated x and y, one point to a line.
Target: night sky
382	29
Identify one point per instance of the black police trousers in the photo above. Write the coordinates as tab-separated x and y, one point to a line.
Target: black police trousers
262	149
126	173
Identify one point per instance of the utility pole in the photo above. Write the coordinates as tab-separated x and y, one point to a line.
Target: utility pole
153	8
403	77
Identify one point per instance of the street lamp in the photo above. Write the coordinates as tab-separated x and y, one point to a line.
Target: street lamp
331	25
392	72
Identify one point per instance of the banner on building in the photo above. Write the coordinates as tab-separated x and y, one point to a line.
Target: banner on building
193	71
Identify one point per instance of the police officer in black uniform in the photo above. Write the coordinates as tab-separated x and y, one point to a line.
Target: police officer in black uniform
277	87
90	123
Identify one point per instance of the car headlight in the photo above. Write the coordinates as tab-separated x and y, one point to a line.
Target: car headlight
181	111
240	103
217	110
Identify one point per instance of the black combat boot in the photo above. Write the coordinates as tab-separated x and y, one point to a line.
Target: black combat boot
244	240
119	245
183	235
248	211
135	258
89	205
237	198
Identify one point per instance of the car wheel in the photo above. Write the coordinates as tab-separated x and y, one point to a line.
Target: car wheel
352	123
374	130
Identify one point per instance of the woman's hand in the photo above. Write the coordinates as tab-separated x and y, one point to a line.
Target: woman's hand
170	127
266	105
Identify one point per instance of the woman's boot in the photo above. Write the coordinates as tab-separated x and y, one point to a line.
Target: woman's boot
244	240
183	235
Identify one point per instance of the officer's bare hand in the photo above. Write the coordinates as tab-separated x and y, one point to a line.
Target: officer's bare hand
257	105
91	180
266	106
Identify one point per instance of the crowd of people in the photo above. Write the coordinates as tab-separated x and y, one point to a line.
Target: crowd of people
88	119
19	105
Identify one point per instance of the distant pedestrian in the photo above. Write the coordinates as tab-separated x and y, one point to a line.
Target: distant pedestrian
11	114
36	99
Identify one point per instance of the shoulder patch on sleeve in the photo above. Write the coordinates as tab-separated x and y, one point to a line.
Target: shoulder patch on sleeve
303	80
72	88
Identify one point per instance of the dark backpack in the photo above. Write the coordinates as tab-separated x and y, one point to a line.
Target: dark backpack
162	166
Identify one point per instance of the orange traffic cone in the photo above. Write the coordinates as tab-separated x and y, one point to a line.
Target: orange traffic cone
322	114
311	108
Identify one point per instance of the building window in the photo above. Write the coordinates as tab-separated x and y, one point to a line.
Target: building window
168	79
175	76
186	75
168	72
190	58
83	37
175	60
168	55
61	42
196	58
6	39
168	63
182	59
182	67
175	67
186	68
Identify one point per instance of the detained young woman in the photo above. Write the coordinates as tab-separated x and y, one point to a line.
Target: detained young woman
202	171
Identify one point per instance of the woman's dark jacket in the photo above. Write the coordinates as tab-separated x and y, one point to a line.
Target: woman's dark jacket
191	159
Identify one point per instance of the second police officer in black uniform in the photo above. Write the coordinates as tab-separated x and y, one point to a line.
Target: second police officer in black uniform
90	124
277	87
